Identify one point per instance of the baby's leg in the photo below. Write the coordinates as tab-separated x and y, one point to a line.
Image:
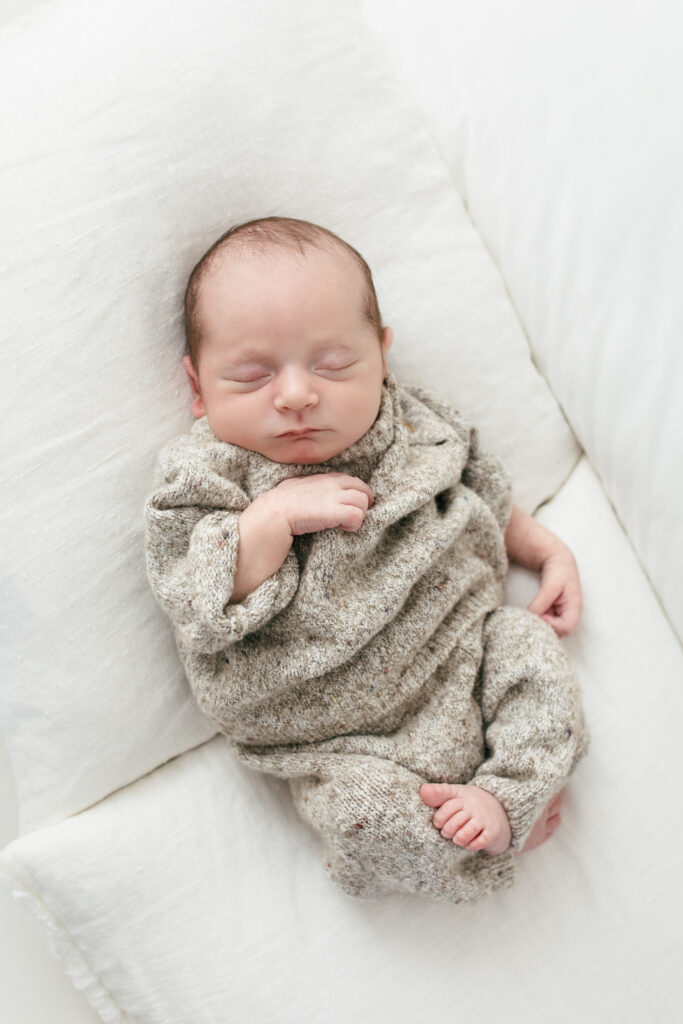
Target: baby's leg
533	721
378	835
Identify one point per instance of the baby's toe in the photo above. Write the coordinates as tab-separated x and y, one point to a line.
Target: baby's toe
479	842
435	793
455	823
446	811
467	833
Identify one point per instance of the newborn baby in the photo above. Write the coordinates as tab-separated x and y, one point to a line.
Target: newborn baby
331	548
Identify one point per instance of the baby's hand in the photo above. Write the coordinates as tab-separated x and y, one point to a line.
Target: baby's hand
559	601
322	501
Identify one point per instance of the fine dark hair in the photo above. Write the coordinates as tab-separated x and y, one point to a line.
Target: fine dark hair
260	235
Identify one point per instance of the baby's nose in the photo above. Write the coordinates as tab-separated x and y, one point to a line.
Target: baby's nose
295	390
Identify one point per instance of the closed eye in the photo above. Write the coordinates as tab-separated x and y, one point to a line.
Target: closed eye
252	377
336	369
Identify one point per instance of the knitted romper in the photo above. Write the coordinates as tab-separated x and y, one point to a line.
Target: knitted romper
372	661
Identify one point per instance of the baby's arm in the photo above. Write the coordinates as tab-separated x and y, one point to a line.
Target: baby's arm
303	504
558	601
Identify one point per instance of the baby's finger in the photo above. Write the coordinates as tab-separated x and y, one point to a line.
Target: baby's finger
571	615
356	497
545	599
355	483
350	517
555	622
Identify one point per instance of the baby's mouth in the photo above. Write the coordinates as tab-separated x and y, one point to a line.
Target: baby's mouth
299	433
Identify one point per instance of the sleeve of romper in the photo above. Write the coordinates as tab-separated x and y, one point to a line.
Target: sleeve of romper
191	540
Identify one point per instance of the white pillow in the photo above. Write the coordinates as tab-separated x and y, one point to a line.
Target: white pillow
133	135
561	124
197	895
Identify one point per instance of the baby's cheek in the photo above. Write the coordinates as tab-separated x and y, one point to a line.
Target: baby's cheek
231	428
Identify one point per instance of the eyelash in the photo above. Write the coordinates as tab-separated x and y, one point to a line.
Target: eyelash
323	369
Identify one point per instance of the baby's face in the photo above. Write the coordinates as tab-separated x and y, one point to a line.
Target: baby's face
287	365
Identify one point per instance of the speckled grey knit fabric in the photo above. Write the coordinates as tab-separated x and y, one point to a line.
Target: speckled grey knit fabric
372	661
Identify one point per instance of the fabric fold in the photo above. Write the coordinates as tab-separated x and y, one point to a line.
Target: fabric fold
359	667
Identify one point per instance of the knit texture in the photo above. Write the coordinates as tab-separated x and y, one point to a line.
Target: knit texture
374	660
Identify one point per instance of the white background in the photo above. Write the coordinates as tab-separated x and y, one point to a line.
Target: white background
34	988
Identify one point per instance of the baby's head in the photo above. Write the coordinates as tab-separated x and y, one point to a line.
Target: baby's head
284	335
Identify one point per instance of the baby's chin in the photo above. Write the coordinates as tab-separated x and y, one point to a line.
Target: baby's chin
304	452
307	451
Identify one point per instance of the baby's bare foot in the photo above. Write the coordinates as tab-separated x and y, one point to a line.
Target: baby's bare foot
545	825
470	816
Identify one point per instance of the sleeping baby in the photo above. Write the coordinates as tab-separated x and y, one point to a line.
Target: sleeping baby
331	547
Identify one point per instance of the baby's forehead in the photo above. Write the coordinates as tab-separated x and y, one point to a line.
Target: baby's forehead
241	262
255	257
257	291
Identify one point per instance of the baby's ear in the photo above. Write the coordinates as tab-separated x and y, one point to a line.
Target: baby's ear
198	409
387	338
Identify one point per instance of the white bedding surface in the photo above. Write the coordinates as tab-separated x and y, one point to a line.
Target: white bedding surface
560	124
33	984
195	894
122	160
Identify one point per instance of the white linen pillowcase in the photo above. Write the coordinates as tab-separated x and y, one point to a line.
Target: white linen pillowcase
175	898
134	136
